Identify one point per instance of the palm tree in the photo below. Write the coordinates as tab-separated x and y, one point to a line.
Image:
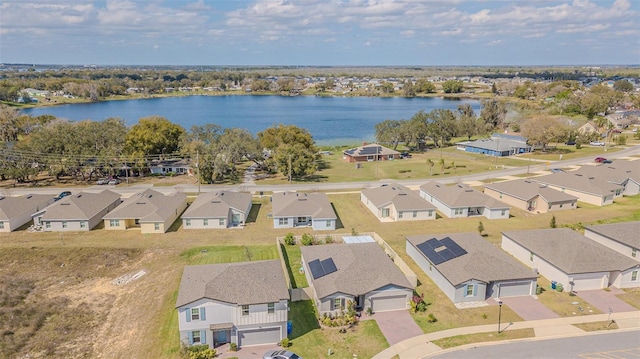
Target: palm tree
430	163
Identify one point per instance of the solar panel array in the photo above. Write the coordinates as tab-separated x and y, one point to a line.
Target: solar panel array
432	250
372	150
321	268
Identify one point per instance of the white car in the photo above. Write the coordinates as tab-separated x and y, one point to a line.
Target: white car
596	143
280	354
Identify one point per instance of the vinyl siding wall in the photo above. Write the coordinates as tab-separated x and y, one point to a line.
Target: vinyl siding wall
449	212
616	246
74	225
445	286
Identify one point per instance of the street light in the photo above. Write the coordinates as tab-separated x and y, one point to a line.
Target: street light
499	314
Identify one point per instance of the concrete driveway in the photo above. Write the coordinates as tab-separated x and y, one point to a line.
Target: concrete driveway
529	308
252	352
603	300
396	325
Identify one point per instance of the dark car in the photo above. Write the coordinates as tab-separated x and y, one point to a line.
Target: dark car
602	160
62	195
280	354
405	155
557	170
571	142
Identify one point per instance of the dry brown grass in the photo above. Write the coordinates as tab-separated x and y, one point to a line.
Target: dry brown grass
595	326
631	296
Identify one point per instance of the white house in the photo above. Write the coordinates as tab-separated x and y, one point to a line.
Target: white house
77	212
622	237
295	209
16	211
397	203
219	209
460	201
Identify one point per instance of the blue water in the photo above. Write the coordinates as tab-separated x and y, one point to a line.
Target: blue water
331	120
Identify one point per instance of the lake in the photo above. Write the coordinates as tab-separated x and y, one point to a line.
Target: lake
331	120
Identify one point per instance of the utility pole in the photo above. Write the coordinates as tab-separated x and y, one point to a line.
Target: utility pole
289	168
198	168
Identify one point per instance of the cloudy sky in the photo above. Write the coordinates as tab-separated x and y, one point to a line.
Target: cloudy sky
320	32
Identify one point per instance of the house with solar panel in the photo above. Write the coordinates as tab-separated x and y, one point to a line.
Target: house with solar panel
467	268
460	200
396	202
298	209
245	303
218	209
370	152
360	273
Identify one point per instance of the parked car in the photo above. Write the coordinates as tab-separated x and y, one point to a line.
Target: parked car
405	155
596	143
571	142
102	181
556	170
62	195
280	354
602	160
113	182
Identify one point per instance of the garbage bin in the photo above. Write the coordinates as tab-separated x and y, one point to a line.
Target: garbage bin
553	284
289	327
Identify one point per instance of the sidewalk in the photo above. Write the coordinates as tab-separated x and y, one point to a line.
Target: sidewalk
422	347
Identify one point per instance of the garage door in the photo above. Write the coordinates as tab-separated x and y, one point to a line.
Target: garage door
381	304
513	289
589	282
259	336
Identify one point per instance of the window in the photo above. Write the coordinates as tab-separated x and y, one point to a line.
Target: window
245	310
337	303
470	290
500	195
561	205
1	225
271	308
400	214
195	313
430	213
64	224
531	256
634	252
283	221
187	222
634	275
430	267
385	212
83	224
457	211
156	226
504	211
114	223
47	224
195	337
328	224
221	222
415	214
205	222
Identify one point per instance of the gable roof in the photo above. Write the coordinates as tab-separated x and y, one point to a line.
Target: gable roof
526	190
361	268
461	195
617	172
148	206
295	204
402	198
482	261
498	143
80	206
218	204
240	283
569	251
370	150
579	182
13	207
625	232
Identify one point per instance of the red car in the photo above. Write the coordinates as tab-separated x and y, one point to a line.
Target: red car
602	160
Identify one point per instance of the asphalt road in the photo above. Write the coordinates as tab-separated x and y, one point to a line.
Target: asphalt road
618	345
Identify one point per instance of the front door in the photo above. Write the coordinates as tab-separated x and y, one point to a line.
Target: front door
235	219
220	337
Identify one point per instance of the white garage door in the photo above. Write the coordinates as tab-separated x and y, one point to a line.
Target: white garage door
588	282
258	336
396	302
514	289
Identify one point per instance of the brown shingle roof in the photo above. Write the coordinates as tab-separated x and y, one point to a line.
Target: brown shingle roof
403	198
460	195
362	267
526	190
570	251
217	204
625	232
483	261
296	204
238	283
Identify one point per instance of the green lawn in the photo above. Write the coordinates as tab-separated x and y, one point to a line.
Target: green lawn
571	152
595	326
293	259
483	337
228	254
631	296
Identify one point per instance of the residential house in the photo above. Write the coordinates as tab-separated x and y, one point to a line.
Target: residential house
295	209
571	259
151	211
171	167
370	152
460	200
621	173
397	202
588	189
219	209
622	237
77	212
588	128
245	303
498	145
530	196
15	212
467	268
360	273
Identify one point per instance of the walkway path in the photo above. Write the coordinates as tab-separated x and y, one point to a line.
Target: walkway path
422	347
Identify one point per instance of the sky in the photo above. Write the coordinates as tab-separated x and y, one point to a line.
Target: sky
321	32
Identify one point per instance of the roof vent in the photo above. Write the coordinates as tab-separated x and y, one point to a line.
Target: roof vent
2	197
141	202
65	204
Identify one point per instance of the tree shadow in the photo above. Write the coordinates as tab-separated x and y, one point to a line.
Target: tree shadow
339	224
175	225
285	256
312	178
252	217
323	165
303	317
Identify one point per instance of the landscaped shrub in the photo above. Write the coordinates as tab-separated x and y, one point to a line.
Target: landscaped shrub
285	343
233	347
539	289
201	352
328	239
431	318
307	239
417	303
289	239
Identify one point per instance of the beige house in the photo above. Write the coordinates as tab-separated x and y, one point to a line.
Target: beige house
151	211
398	203
299	209
620	172
588	128
219	209
15	212
369	153
77	212
622	237
530	196
460	200
587	188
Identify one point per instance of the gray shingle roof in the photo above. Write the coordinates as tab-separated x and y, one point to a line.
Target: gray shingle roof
217	204
13	207
526	190
370	150
625	232
362	267
240	283
570	251
483	261
403	198
616	172
80	206
461	195
579	182
148	206
298	204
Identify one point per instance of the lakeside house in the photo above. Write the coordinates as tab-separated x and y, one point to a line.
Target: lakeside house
498	145
370	152
77	212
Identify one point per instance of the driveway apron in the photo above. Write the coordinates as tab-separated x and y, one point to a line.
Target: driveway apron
397	325
604	300
529	308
